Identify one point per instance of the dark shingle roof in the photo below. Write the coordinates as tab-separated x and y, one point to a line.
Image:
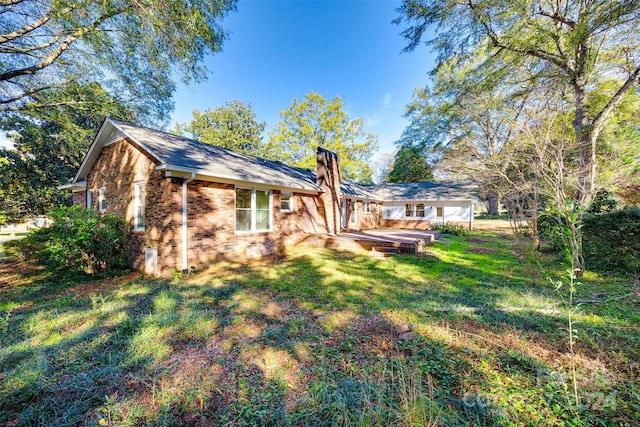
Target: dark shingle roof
176	152
433	190
351	189
184	154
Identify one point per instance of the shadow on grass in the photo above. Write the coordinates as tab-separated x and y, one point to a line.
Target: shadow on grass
306	340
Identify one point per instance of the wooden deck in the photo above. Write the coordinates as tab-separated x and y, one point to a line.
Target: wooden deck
380	241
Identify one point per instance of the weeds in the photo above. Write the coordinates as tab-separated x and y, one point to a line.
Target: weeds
311	340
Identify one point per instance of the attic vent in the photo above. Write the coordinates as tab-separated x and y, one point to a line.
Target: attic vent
151	261
115	136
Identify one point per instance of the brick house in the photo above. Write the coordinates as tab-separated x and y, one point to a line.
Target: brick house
190	202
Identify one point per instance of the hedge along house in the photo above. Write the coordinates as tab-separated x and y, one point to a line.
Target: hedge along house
189	202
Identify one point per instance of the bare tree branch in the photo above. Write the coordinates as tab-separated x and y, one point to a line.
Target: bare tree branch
55	54
601	117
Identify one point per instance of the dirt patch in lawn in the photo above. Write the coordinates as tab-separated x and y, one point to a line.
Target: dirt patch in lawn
99	285
476	240
15	273
499	226
480	250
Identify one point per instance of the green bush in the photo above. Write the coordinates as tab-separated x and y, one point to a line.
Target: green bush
447	228
611	241
77	240
551	231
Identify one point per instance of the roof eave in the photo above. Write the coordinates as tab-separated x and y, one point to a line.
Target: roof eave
205	175
73	186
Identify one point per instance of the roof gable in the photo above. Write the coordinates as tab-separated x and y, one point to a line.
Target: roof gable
187	155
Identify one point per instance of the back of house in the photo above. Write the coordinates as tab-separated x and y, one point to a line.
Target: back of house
190	203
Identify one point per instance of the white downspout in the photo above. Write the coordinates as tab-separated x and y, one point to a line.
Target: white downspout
185	230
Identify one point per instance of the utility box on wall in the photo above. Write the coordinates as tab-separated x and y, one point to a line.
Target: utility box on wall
151	261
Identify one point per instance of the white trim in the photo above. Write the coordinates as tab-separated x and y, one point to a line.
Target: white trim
89	200
74	186
137	203
253	210
102	197
99	142
291	202
93	145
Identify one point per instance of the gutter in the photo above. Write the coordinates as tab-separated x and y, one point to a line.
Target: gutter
74	186
185	229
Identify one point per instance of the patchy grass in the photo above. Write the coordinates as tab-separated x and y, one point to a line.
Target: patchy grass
311	339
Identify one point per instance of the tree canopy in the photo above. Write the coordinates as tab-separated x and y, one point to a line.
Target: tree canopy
313	122
570	46
133	48
232	125
410	165
49	145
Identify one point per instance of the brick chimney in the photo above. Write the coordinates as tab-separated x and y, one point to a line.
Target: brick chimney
328	177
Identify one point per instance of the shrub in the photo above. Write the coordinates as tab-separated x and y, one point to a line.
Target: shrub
77	240
551	231
602	202
447	228
611	241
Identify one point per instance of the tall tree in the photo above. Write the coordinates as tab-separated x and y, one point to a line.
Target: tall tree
232	125
571	44
313	122
132	48
410	165
49	146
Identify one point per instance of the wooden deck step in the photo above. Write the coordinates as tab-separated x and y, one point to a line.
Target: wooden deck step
384	251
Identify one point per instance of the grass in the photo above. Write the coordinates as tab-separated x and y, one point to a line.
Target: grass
310	339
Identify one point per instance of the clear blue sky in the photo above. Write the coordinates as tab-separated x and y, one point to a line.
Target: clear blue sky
279	50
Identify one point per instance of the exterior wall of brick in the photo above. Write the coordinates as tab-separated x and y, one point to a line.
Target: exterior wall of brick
328	177
117	169
80	198
414	224
211	213
211	224
363	220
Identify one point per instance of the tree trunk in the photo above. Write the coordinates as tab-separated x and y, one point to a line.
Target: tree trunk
535	231
494	203
585	134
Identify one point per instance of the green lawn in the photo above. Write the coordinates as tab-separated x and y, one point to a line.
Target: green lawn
310	339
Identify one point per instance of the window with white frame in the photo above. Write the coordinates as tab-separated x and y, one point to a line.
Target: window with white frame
253	209
366	207
414	210
286	202
90	199
139	197
353	217
440	212
102	200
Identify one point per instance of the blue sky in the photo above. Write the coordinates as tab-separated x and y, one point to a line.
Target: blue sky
278	50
